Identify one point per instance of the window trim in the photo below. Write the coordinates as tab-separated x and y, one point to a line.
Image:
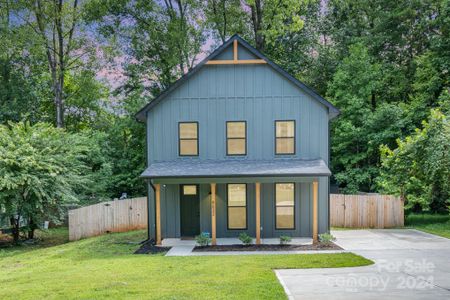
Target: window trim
294	137
188	139
227	138
246	208
275	205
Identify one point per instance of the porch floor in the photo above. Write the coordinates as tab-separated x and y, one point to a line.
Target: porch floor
171	242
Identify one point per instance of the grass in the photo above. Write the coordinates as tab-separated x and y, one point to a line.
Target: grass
431	223
103	267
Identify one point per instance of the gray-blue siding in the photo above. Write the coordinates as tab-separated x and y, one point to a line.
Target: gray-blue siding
253	93
170	211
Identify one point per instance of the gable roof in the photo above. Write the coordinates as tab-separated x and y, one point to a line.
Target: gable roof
333	111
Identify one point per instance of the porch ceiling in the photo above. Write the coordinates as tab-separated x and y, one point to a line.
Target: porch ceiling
194	168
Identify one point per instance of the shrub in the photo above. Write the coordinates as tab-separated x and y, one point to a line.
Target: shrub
245	239
285	239
203	239
326	239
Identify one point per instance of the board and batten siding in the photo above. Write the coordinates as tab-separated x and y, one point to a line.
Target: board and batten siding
256	94
170	203
253	93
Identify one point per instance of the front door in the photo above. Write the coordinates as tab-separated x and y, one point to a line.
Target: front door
189	210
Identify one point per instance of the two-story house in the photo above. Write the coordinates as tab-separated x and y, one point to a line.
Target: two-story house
238	145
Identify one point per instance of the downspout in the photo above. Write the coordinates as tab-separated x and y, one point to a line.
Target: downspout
148	181
154	212
329	178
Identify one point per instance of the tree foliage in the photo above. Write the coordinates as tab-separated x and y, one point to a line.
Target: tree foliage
419	168
42	168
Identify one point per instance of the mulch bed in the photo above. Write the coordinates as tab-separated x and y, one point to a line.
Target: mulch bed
150	248
263	247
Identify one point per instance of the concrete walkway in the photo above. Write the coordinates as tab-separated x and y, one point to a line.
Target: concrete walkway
180	250
409	264
184	247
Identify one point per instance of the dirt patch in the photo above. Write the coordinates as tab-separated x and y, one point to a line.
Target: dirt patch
151	248
219	248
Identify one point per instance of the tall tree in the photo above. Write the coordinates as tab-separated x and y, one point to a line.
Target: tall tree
160	40
225	18
22	70
354	84
55	23
271	19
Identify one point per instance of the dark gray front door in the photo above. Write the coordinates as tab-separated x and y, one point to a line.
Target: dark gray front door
190	210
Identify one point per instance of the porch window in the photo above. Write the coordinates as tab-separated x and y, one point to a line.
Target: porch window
188	138
236	138
285	206
285	137
237	206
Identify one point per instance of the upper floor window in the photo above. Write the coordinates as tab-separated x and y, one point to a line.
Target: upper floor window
236	138
237	206
285	137
188	138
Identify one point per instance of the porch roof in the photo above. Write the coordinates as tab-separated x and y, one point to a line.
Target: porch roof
194	168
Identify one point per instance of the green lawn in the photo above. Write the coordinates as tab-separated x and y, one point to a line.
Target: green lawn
104	267
435	224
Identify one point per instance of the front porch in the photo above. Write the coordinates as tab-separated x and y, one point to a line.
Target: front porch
263	216
264	199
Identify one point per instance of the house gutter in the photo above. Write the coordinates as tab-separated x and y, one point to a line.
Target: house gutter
148	212
148	181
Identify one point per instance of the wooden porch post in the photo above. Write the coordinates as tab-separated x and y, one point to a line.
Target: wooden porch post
315	213
213	214
158	213
258	212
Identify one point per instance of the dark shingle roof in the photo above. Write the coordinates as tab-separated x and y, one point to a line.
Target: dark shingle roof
333	111
185	168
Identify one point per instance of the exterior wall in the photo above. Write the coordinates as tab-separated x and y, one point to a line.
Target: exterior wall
254	93
258	95
170	211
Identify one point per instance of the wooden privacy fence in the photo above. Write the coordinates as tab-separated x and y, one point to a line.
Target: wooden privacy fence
105	217
366	211
353	211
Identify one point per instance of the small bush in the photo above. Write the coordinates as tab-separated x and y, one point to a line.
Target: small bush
245	239
326	239
203	239
285	239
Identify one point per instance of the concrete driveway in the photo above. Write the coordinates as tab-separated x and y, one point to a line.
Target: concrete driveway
409	264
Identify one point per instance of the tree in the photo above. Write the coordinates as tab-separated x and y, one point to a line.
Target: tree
126	150
22	71
225	18
160	40
271	19
354	90
55	24
41	169
419	168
